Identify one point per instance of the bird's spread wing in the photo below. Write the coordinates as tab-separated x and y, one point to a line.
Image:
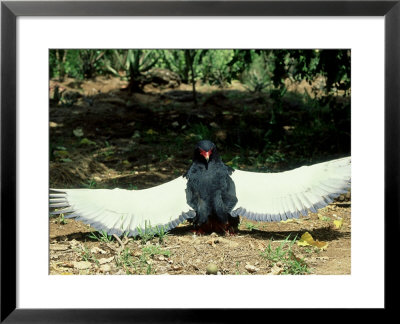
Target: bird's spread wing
119	211
280	196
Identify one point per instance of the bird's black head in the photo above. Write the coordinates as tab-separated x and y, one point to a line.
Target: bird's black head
205	151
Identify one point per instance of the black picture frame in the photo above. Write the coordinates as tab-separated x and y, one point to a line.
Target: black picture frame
10	10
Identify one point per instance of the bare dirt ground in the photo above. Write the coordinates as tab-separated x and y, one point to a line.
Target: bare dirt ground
104	137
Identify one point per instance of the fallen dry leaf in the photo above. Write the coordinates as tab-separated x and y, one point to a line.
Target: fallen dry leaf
298	257
105	268
212	242
338	223
228	242
74	243
59	247
307	239
187	239
151	132
81	265
97	250
323	258
250	268
276	270
261	246
315	260
105	260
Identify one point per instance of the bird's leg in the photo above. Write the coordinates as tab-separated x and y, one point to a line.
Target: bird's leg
213	225
198	231
229	230
231	227
203	228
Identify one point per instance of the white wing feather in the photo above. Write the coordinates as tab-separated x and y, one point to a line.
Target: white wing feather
119	211
279	196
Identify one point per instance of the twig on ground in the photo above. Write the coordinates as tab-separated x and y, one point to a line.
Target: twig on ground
126	240
120	242
173	247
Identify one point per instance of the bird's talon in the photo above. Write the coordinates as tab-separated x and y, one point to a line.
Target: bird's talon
198	231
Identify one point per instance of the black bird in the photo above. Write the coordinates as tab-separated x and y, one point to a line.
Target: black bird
210	190
210	194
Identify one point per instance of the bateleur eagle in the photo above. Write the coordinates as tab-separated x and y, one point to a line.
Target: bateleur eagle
210	194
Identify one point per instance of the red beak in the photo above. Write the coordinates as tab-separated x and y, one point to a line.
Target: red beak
206	154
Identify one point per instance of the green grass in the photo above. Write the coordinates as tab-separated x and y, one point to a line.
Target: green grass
107	153
146	234
201	131
237	271
61	220
311	250
152	250
101	236
127	261
162	233
275	157
284	254
162	156
87	255
149	252
91	184
149	233
251	226
141	264
132	187
325	218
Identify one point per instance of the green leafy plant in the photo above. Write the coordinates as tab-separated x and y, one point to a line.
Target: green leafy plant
257	78
149	252
284	254
91	62
142	263
152	250
251	226
237	272
162	233
275	157
63	221
146	234
127	261
131	64
201	131
91	184
216	68
101	236
87	255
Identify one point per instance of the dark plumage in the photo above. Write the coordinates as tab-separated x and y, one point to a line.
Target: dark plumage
210	190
